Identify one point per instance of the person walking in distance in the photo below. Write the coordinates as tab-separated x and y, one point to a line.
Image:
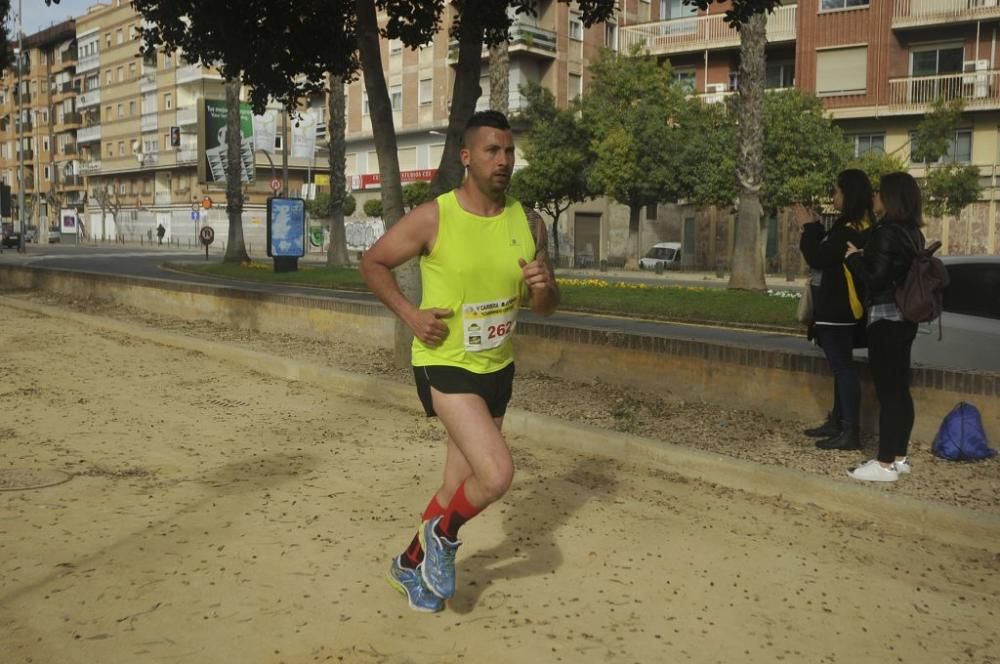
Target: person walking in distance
480	254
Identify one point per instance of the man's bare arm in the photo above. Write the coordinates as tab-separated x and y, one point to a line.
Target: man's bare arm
538	274
411	236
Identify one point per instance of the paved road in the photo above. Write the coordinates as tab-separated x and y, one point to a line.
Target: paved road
147	262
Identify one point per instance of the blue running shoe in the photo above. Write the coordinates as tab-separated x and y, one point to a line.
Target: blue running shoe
438	568
409	582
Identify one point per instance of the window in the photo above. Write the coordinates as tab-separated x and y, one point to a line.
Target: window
150	145
131	70
47	174
575	86
674	9
959	149
651	211
121	148
937	60
121	74
119	36
425	91
396	97
974	290
685	79
133	32
107	39
831	5
168	101
45	144
865	143
93	83
111	150
122	188
575	26
121	110
842	71
168	60
109	77
780	74
395	47
131	108
611	35
277	143
364	103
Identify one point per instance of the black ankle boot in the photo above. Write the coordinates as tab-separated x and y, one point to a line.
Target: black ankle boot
849	438
829	428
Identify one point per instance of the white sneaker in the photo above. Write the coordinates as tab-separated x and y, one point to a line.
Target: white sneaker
903	466
873	471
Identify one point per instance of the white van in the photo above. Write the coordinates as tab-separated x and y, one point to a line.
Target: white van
667	253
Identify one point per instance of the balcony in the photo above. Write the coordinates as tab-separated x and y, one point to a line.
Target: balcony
69	56
187	116
195	74
27	155
148	123
88	134
90	167
921	13
69	149
700	33
915	94
524	38
24	99
23	127
68	86
72	180
70	120
88	62
147	83
89	98
187	156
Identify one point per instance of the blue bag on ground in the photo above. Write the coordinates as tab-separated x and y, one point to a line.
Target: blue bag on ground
961	436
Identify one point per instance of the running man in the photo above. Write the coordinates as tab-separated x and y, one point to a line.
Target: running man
479	254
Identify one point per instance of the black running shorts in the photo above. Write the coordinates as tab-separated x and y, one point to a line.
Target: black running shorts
494	388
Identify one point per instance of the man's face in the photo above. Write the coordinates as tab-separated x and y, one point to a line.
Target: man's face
489	157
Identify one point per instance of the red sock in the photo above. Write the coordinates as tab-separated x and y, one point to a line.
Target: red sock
459	511
414	554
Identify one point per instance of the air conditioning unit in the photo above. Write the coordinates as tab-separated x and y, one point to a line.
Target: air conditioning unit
716	88
976	76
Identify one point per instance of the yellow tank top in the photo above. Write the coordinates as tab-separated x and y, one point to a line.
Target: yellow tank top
473	270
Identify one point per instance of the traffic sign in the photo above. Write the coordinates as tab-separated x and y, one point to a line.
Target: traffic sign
276	185
206	235
207	202
195	215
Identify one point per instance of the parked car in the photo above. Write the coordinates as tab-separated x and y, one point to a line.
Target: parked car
971	320
666	253
11	240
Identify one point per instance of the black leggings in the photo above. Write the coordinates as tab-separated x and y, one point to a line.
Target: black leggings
889	345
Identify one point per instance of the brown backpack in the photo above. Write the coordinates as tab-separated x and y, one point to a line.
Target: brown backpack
920	295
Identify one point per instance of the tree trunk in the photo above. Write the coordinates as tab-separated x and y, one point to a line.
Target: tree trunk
235	249
463	102
336	255
500	78
632	250
380	110
554	240
751	231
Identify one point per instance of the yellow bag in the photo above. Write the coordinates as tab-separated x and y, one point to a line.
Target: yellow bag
857	308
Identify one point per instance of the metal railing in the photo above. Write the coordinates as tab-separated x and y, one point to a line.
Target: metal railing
88	134
90	167
700	32
980	90
927	12
89	98
69	149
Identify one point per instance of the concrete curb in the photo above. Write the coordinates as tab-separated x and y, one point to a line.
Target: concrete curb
942	522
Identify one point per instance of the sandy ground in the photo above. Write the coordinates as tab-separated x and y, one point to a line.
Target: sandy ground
220	515
665	415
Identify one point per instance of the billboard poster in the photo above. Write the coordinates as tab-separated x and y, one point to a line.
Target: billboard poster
68	222
214	142
286	227
265	130
304	135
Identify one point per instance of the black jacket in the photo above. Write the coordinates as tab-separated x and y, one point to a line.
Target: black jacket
886	260
824	252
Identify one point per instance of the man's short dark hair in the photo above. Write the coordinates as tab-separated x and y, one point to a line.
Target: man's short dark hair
493	119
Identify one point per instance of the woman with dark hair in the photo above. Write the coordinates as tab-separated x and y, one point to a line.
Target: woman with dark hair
882	266
837	307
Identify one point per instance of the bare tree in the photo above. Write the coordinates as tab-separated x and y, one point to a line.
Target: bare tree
236	251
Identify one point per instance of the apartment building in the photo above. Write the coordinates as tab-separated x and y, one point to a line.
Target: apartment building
38	122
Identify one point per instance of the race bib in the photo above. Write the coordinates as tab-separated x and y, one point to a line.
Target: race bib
487	325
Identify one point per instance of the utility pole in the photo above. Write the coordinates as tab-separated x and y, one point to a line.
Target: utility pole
20	129
284	152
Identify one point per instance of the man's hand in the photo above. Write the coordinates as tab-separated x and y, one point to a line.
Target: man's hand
851	249
427	326
536	275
